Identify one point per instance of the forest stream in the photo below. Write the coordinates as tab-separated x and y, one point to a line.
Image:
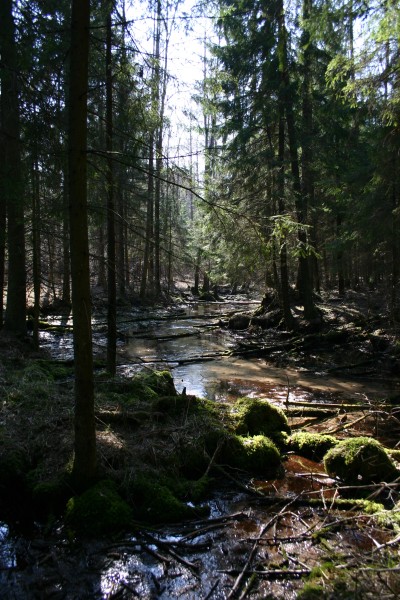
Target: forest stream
262	544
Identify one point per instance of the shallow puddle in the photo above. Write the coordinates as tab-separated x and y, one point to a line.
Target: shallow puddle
301	476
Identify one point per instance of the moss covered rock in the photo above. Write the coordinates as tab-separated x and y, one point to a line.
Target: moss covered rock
98	511
257	455
258	417
359	460
311	445
156	503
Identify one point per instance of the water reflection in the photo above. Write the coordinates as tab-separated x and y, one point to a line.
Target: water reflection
190	342
7	550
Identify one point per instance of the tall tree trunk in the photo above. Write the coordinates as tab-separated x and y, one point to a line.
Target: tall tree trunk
3	216
12	182
284	274
66	289
159	147
84	467
300	200
307	157
111	275
36	250
147	262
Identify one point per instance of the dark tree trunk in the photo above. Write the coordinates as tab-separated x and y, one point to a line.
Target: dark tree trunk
300	199
84	467
12	184
284	274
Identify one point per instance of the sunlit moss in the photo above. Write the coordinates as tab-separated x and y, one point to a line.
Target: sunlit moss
359	460
311	445
253	416
257	455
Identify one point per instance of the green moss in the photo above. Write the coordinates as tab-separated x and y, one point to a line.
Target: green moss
366	506
30	384
394	454
56	369
98	511
389	518
257	455
189	490
156	503
147	386
50	497
359	460
14	466
311	591
311	445
259	417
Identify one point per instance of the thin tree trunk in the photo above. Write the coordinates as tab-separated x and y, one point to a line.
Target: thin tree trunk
284	273
111	276
146	272
36	251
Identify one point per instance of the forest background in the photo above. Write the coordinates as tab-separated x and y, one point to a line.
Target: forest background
288	176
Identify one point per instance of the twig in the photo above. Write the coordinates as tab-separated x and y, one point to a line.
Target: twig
271	573
213	524
214	587
244	571
167	547
347	425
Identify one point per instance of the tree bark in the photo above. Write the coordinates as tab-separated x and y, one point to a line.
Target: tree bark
111	274
12	181
84	466
300	200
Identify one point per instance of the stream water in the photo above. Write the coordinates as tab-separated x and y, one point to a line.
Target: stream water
195	348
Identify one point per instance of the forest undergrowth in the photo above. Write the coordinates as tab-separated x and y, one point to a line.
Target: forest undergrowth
227	500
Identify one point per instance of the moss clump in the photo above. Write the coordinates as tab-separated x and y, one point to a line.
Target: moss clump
311	445
258	417
359	460
156	503
189	490
257	455
13	483
50	497
183	406
56	369
98	511
30	385
311	591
